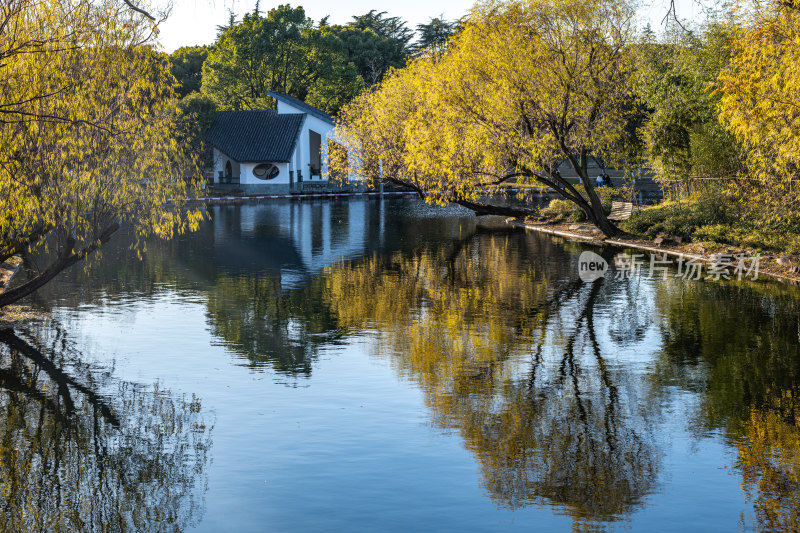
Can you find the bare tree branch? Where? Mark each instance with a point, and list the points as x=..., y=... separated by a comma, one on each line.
x=139, y=10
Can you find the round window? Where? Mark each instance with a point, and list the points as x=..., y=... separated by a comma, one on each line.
x=266, y=171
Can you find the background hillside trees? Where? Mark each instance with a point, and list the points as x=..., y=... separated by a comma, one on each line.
x=434, y=34
x=187, y=67
x=375, y=43
x=281, y=52
x=723, y=123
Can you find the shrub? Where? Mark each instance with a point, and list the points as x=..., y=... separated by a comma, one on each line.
x=715, y=212
x=565, y=210
x=717, y=219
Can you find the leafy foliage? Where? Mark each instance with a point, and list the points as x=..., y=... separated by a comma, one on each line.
x=281, y=52
x=187, y=67
x=89, y=133
x=760, y=104
x=375, y=43
x=684, y=218
x=454, y=124
x=683, y=136
x=202, y=111
x=434, y=34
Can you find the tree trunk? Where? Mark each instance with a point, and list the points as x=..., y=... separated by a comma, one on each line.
x=481, y=209
x=594, y=211
x=66, y=258
x=596, y=214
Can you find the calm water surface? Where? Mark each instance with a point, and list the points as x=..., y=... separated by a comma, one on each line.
x=373, y=365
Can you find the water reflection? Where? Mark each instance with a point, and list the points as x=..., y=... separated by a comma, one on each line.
x=508, y=356
x=565, y=393
x=269, y=325
x=257, y=268
x=80, y=451
x=739, y=347
x=266, y=300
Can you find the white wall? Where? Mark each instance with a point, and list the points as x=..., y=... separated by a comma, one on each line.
x=299, y=221
x=220, y=160
x=303, y=154
x=305, y=216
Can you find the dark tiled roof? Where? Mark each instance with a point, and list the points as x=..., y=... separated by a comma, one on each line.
x=299, y=104
x=255, y=136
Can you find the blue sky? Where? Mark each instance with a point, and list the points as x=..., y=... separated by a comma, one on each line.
x=195, y=21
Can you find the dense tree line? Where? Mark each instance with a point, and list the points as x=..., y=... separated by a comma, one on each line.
x=527, y=86
x=283, y=50
x=99, y=130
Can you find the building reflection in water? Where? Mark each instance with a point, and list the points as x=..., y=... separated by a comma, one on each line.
x=298, y=239
x=267, y=298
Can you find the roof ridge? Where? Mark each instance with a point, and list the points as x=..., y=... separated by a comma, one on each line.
x=296, y=102
x=249, y=111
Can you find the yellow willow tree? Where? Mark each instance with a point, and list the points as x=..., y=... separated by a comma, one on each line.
x=760, y=104
x=90, y=136
x=526, y=86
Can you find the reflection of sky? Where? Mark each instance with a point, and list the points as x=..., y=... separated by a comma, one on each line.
x=351, y=447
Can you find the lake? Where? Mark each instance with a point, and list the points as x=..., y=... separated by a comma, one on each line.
x=370, y=364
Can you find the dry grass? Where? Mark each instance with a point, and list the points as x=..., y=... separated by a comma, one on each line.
x=14, y=314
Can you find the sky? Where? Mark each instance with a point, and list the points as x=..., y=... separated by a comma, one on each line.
x=195, y=22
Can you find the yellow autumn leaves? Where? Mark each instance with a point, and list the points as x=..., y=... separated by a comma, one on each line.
x=529, y=84
x=89, y=130
x=523, y=86
x=760, y=102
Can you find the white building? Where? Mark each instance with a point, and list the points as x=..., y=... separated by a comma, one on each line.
x=271, y=151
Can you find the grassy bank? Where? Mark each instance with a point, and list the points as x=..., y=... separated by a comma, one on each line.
x=716, y=222
x=712, y=218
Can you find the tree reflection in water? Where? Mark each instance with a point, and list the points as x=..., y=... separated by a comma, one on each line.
x=80, y=451
x=509, y=356
x=268, y=325
x=738, y=347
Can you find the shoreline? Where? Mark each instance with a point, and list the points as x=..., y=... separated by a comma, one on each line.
x=8, y=270
x=697, y=252
x=223, y=199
